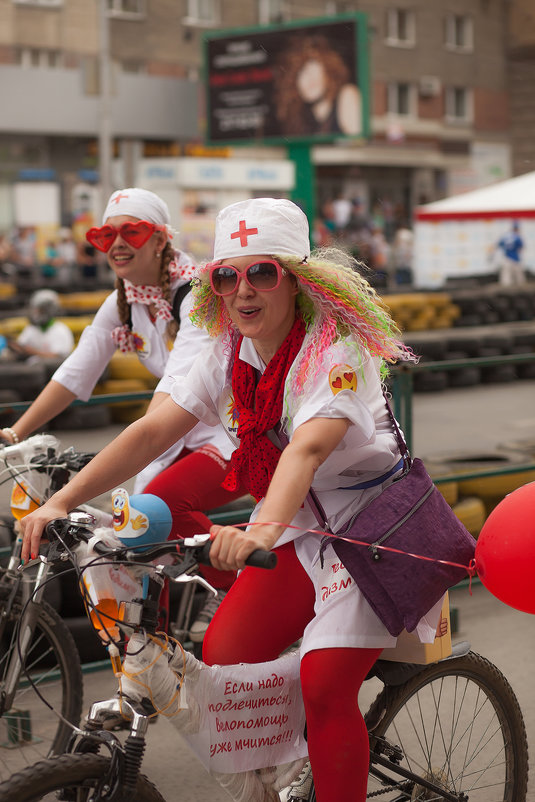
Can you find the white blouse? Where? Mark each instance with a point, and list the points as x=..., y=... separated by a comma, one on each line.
x=83, y=368
x=340, y=389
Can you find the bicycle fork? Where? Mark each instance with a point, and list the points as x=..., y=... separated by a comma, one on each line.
x=23, y=634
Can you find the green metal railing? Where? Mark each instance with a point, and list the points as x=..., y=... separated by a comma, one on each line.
x=403, y=391
x=402, y=383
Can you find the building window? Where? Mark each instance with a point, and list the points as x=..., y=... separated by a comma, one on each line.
x=49, y=3
x=40, y=57
x=270, y=11
x=458, y=104
x=130, y=9
x=334, y=7
x=459, y=33
x=400, y=27
x=202, y=12
x=400, y=99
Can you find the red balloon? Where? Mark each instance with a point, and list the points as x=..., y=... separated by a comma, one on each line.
x=505, y=550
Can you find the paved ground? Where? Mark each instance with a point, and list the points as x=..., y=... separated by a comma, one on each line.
x=479, y=419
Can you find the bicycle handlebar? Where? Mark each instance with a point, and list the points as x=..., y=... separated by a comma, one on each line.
x=259, y=558
x=194, y=550
x=41, y=450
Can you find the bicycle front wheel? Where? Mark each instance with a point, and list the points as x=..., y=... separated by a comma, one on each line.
x=79, y=773
x=29, y=730
x=459, y=725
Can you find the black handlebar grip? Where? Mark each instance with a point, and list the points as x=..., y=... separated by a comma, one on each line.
x=259, y=558
x=262, y=559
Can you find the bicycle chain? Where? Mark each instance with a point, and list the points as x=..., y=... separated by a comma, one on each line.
x=388, y=789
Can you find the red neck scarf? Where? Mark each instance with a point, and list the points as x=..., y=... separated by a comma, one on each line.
x=259, y=408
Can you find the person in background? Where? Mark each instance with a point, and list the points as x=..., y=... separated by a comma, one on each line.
x=88, y=261
x=402, y=255
x=510, y=248
x=23, y=248
x=49, y=267
x=138, y=318
x=301, y=344
x=67, y=257
x=44, y=337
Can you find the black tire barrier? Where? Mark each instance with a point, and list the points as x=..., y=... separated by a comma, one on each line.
x=90, y=417
x=28, y=380
x=8, y=418
x=464, y=377
x=430, y=350
x=498, y=374
x=526, y=371
x=468, y=321
x=490, y=489
x=471, y=346
x=526, y=339
x=501, y=342
x=452, y=355
x=430, y=381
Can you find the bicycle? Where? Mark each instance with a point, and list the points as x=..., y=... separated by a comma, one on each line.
x=37, y=649
x=448, y=731
x=47, y=655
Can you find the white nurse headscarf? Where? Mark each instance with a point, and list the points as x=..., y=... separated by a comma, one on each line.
x=140, y=203
x=261, y=226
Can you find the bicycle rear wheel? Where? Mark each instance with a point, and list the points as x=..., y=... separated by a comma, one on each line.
x=458, y=724
x=30, y=731
x=80, y=773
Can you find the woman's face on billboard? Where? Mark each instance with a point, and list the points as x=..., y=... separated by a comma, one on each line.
x=311, y=81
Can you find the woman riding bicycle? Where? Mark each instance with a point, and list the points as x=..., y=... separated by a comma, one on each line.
x=151, y=276
x=299, y=344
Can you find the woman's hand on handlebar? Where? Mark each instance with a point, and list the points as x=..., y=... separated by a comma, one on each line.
x=33, y=525
x=231, y=546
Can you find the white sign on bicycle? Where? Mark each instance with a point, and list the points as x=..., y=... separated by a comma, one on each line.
x=252, y=715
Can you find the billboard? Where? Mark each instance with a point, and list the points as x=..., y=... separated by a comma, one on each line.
x=305, y=81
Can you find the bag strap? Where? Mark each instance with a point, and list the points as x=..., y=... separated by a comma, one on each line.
x=312, y=499
x=180, y=294
x=402, y=445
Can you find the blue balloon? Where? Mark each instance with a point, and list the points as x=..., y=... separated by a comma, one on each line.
x=146, y=519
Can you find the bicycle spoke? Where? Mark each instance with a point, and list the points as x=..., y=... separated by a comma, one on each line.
x=459, y=727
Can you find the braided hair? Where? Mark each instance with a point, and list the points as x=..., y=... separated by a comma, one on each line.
x=168, y=254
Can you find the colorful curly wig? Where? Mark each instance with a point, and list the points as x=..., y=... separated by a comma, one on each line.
x=336, y=302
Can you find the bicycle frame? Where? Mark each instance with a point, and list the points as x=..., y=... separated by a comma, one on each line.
x=126, y=758
x=392, y=763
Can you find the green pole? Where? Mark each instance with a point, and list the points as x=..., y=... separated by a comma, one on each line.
x=304, y=192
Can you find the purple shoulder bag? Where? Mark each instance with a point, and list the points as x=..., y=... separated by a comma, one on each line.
x=410, y=517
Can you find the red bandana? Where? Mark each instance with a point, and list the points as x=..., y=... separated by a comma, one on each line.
x=259, y=407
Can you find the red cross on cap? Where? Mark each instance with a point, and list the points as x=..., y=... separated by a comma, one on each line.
x=119, y=197
x=243, y=232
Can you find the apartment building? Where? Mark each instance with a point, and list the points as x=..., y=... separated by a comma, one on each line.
x=521, y=59
x=438, y=74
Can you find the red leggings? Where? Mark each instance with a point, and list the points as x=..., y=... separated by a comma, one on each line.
x=189, y=486
x=264, y=613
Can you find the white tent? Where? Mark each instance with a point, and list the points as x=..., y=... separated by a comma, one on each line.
x=457, y=237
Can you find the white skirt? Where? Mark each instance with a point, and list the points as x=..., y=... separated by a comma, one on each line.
x=344, y=619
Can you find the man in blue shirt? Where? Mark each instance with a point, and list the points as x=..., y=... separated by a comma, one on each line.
x=511, y=246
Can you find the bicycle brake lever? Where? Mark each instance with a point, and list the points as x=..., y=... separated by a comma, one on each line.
x=189, y=578
x=31, y=563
